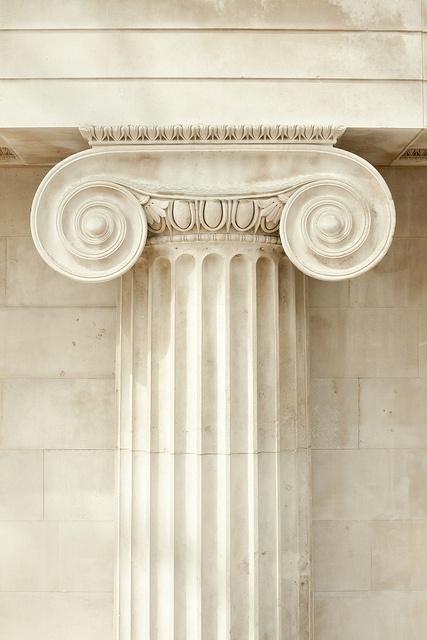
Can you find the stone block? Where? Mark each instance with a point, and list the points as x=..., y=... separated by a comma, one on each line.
x=58, y=414
x=399, y=555
x=50, y=616
x=369, y=485
x=28, y=556
x=408, y=187
x=393, y=413
x=31, y=282
x=341, y=555
x=399, y=280
x=422, y=339
x=298, y=14
x=86, y=556
x=211, y=54
x=358, y=103
x=79, y=485
x=348, y=343
x=328, y=294
x=21, y=480
x=17, y=188
x=48, y=343
x=2, y=271
x=370, y=615
x=334, y=413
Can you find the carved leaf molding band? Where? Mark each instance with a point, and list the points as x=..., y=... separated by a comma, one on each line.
x=327, y=227
x=242, y=213
x=205, y=133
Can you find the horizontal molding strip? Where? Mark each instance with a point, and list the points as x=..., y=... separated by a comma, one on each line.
x=382, y=14
x=214, y=55
x=204, y=30
x=225, y=79
x=53, y=103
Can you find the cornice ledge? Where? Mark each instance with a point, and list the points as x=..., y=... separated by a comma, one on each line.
x=331, y=210
x=211, y=134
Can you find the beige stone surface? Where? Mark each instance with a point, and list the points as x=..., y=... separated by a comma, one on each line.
x=350, y=342
x=399, y=556
x=79, y=485
x=21, y=482
x=420, y=141
x=58, y=414
x=43, y=146
x=2, y=271
x=408, y=187
x=425, y=108
x=399, y=280
x=28, y=556
x=334, y=413
x=329, y=294
x=211, y=54
x=341, y=555
x=371, y=615
x=378, y=146
x=86, y=556
x=369, y=485
x=47, y=342
x=30, y=282
x=422, y=338
x=50, y=616
x=424, y=36
x=358, y=103
x=335, y=14
x=17, y=188
x=393, y=413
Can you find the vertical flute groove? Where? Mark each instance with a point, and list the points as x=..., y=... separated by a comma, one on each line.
x=214, y=428
x=267, y=382
x=140, y=537
x=278, y=442
x=241, y=548
x=198, y=595
x=123, y=578
x=185, y=447
x=170, y=585
x=162, y=567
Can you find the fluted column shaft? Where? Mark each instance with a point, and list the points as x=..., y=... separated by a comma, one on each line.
x=213, y=466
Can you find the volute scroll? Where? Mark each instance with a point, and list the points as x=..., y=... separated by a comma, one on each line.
x=331, y=231
x=99, y=232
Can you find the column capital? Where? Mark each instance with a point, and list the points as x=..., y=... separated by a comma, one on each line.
x=94, y=212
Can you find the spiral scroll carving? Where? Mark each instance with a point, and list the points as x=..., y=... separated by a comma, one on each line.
x=331, y=232
x=101, y=226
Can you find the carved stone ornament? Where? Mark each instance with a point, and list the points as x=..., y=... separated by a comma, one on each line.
x=95, y=211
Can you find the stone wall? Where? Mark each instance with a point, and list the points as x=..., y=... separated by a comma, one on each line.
x=368, y=414
x=57, y=407
x=368, y=408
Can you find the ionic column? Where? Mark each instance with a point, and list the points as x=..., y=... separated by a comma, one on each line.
x=205, y=227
